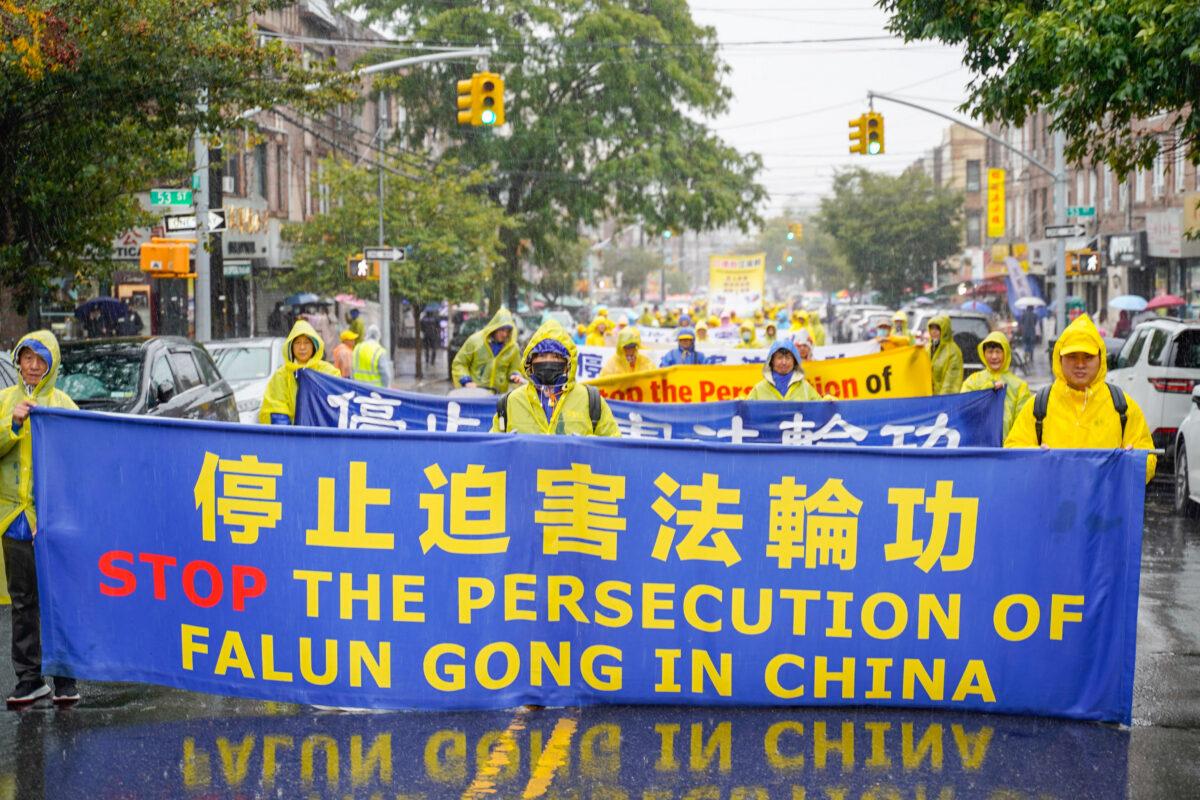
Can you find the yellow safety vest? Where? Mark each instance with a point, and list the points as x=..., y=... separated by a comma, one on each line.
x=366, y=363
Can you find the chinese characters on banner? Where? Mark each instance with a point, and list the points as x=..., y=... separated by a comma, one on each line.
x=996, y=225
x=426, y=570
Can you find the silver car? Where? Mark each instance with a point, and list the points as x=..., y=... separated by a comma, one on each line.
x=247, y=364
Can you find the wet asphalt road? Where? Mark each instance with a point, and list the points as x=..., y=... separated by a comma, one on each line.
x=134, y=741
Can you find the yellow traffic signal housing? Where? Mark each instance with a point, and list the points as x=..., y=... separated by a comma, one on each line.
x=858, y=135
x=874, y=133
x=1083, y=262
x=481, y=100
x=796, y=231
x=166, y=258
x=359, y=269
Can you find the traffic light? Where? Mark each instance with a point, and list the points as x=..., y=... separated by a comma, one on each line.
x=481, y=100
x=795, y=231
x=874, y=134
x=166, y=258
x=359, y=269
x=1083, y=262
x=866, y=134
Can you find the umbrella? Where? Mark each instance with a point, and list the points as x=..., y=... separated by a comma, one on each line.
x=110, y=307
x=1165, y=301
x=301, y=299
x=976, y=305
x=1128, y=302
x=350, y=300
x=1030, y=302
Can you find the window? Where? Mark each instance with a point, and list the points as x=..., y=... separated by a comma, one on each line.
x=1079, y=189
x=1092, y=187
x=1106, y=189
x=1123, y=195
x=1139, y=186
x=283, y=176
x=1158, y=346
x=1159, y=172
x=260, y=170
x=233, y=169
x=973, y=177
x=1187, y=349
x=1132, y=350
x=974, y=228
x=207, y=367
x=1177, y=165
x=185, y=370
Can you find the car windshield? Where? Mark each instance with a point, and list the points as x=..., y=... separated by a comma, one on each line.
x=100, y=375
x=973, y=325
x=246, y=363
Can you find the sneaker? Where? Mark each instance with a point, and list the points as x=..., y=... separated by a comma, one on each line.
x=27, y=692
x=65, y=691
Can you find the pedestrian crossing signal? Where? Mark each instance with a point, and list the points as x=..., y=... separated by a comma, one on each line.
x=359, y=269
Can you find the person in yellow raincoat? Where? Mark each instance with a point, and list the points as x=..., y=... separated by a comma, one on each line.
x=749, y=338
x=817, y=328
x=303, y=349
x=552, y=402
x=647, y=317
x=489, y=357
x=996, y=355
x=629, y=357
x=900, y=327
x=600, y=333
x=1081, y=408
x=945, y=357
x=37, y=359
x=783, y=376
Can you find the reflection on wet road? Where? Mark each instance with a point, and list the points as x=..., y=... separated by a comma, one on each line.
x=130, y=741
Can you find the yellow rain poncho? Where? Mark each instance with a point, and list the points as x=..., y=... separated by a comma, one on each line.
x=754, y=343
x=1016, y=392
x=571, y=416
x=280, y=396
x=817, y=329
x=16, y=448
x=476, y=362
x=798, y=387
x=618, y=364
x=596, y=338
x=947, y=360
x=1083, y=419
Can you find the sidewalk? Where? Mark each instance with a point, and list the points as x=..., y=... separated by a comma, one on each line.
x=435, y=379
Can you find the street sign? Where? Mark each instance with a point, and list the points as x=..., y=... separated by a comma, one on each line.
x=1064, y=231
x=178, y=223
x=383, y=253
x=170, y=197
x=236, y=269
x=1081, y=211
x=216, y=220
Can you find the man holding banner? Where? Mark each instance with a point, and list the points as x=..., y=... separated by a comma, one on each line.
x=489, y=358
x=685, y=351
x=553, y=403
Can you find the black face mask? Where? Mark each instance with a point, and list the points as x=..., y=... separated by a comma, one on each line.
x=549, y=373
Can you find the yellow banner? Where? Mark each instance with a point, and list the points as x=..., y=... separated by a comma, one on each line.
x=899, y=372
x=737, y=274
x=995, y=204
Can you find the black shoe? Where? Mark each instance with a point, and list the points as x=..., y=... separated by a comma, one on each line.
x=28, y=691
x=65, y=691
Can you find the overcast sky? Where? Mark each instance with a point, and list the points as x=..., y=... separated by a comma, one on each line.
x=791, y=102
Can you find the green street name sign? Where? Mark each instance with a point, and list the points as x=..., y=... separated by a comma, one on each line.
x=170, y=197
x=1081, y=211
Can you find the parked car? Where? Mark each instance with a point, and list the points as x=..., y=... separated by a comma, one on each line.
x=248, y=364
x=164, y=376
x=8, y=372
x=1159, y=367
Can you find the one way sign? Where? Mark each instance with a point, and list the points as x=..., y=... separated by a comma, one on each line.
x=216, y=220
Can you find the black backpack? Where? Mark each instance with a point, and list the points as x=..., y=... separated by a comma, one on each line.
x=594, y=407
x=1042, y=401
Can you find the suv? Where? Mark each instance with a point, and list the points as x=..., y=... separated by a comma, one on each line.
x=1158, y=367
x=164, y=376
x=969, y=329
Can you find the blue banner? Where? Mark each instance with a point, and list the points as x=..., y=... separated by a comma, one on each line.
x=474, y=571
x=974, y=419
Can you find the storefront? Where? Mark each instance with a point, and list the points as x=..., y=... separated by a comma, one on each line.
x=1174, y=258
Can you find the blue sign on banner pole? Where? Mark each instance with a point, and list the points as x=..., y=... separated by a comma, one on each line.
x=973, y=419
x=418, y=570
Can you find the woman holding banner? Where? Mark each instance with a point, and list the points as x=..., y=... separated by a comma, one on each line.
x=303, y=349
x=996, y=355
x=783, y=376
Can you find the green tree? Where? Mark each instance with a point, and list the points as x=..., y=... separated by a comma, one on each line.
x=824, y=261
x=634, y=264
x=452, y=229
x=98, y=98
x=560, y=262
x=891, y=229
x=604, y=105
x=1094, y=66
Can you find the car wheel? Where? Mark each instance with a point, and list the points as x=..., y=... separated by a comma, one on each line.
x=1184, y=504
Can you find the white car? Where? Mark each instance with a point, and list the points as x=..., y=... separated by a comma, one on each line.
x=247, y=364
x=1158, y=367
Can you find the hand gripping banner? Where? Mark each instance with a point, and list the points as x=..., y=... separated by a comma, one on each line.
x=416, y=570
x=973, y=419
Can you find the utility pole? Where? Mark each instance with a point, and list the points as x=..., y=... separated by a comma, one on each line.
x=203, y=301
x=1058, y=173
x=385, y=280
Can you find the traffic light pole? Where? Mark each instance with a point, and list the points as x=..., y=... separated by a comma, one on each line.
x=203, y=299
x=1058, y=173
x=385, y=280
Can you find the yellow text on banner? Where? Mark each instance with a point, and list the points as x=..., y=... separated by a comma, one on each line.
x=897, y=372
x=996, y=224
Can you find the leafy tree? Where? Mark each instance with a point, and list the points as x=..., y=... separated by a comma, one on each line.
x=452, y=230
x=1095, y=67
x=815, y=256
x=826, y=265
x=604, y=105
x=634, y=264
x=559, y=262
x=891, y=228
x=98, y=98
